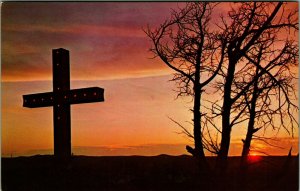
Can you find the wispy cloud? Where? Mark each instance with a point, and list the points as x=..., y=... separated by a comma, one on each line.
x=79, y=29
x=106, y=38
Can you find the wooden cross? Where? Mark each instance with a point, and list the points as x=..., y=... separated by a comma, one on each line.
x=61, y=98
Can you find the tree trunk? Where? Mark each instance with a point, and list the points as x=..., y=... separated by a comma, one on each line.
x=197, y=128
x=198, y=151
x=226, y=131
x=226, y=109
x=247, y=141
x=251, y=130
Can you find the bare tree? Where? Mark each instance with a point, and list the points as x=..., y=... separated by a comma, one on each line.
x=250, y=27
x=186, y=44
x=271, y=103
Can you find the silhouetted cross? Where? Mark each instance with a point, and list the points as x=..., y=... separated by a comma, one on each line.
x=60, y=99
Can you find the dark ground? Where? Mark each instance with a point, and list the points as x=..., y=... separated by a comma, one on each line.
x=145, y=173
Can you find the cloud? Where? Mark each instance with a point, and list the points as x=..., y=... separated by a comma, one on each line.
x=79, y=29
x=105, y=38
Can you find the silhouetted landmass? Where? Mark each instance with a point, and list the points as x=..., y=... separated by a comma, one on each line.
x=161, y=172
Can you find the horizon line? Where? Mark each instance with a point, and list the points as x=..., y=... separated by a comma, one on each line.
x=157, y=155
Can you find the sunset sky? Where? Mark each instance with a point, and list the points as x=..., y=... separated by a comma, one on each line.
x=108, y=49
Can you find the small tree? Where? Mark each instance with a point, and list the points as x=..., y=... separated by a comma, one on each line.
x=187, y=46
x=249, y=25
x=269, y=100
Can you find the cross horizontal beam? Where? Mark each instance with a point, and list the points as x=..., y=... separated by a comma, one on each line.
x=75, y=96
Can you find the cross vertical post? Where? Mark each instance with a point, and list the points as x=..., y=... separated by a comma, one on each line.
x=61, y=110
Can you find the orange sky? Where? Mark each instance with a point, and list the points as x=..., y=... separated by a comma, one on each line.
x=107, y=49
